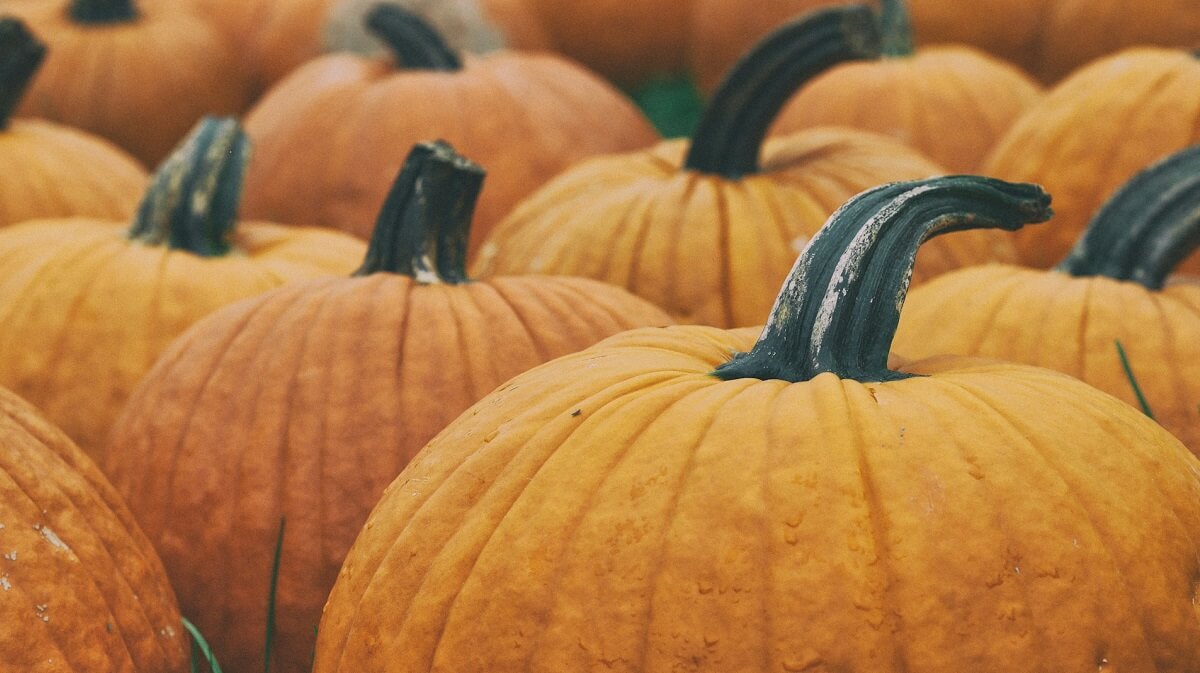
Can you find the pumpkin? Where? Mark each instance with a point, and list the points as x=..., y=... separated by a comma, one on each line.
x=139, y=75
x=321, y=135
x=1112, y=287
x=53, y=170
x=339, y=382
x=81, y=589
x=650, y=505
x=88, y=304
x=1095, y=131
x=655, y=221
x=950, y=102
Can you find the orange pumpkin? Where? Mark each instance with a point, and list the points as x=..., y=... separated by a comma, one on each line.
x=1111, y=288
x=1093, y=132
x=338, y=382
x=52, y=170
x=950, y=102
x=88, y=304
x=80, y=586
x=655, y=221
x=139, y=75
x=322, y=135
x=649, y=505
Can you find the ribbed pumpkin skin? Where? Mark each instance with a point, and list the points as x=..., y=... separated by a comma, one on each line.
x=646, y=517
x=86, y=312
x=707, y=249
x=1093, y=132
x=80, y=586
x=951, y=103
x=305, y=403
x=1070, y=324
x=142, y=85
x=323, y=135
x=55, y=171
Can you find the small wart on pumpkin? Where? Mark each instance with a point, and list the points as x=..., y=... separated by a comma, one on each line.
x=576, y=412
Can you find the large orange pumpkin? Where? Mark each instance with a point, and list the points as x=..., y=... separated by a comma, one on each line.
x=139, y=74
x=1112, y=287
x=88, y=304
x=81, y=589
x=1093, y=132
x=650, y=506
x=53, y=170
x=950, y=102
x=325, y=136
x=656, y=221
x=336, y=384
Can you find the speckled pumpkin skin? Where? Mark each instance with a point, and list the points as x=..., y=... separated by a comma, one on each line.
x=646, y=517
x=1069, y=324
x=86, y=311
x=81, y=589
x=305, y=403
x=1092, y=133
x=708, y=249
x=951, y=103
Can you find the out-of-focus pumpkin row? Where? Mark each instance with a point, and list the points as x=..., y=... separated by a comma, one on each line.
x=216, y=370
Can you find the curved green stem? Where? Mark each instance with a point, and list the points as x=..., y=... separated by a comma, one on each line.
x=731, y=132
x=896, y=26
x=416, y=44
x=425, y=221
x=1147, y=228
x=103, y=11
x=840, y=306
x=21, y=54
x=194, y=195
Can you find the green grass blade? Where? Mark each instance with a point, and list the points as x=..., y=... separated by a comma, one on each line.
x=202, y=646
x=271, y=598
x=1137, y=390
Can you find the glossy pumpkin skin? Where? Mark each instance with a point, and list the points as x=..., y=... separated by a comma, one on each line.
x=1150, y=100
x=82, y=587
x=651, y=517
x=142, y=83
x=311, y=399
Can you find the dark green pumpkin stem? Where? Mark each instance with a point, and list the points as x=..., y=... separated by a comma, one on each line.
x=103, y=11
x=1147, y=228
x=840, y=306
x=425, y=221
x=896, y=27
x=21, y=54
x=194, y=195
x=416, y=44
x=730, y=135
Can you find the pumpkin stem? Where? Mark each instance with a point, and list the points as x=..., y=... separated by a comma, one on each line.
x=416, y=44
x=840, y=306
x=730, y=135
x=103, y=11
x=425, y=221
x=896, y=26
x=194, y=195
x=1147, y=228
x=21, y=54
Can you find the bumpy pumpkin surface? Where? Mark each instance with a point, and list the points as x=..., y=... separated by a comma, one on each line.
x=330, y=137
x=1093, y=132
x=1112, y=288
x=306, y=402
x=706, y=230
x=801, y=508
x=81, y=589
x=87, y=305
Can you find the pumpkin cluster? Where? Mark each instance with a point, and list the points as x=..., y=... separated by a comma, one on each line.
x=514, y=336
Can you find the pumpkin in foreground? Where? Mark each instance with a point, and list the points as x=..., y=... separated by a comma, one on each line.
x=88, y=304
x=81, y=589
x=312, y=398
x=709, y=235
x=650, y=505
x=1112, y=287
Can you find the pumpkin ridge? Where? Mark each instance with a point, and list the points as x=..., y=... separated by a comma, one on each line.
x=1171, y=341
x=1006, y=296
